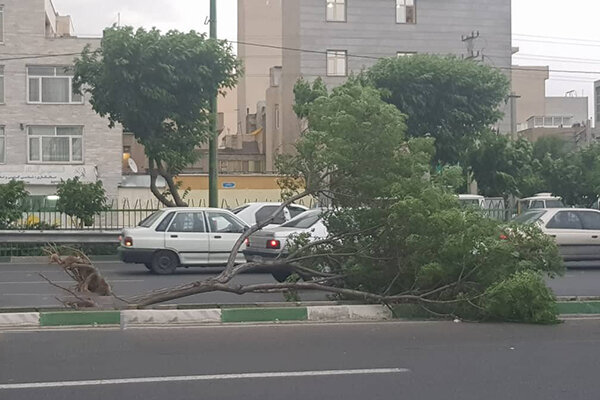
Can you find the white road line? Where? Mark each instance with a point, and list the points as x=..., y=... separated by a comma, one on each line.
x=259, y=375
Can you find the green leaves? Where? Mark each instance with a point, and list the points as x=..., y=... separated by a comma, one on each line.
x=12, y=203
x=81, y=200
x=450, y=99
x=159, y=87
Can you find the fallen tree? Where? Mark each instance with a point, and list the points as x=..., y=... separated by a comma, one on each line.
x=395, y=234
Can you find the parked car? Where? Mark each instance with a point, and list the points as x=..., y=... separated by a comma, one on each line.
x=471, y=200
x=176, y=237
x=269, y=244
x=576, y=230
x=252, y=213
x=540, y=200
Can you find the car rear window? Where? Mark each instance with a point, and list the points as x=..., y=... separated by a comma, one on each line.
x=240, y=209
x=554, y=204
x=304, y=221
x=151, y=219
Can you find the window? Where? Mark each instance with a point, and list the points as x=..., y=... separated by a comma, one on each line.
x=2, y=145
x=165, y=223
x=190, y=222
x=405, y=53
x=55, y=144
x=305, y=220
x=565, y=220
x=51, y=85
x=1, y=24
x=529, y=217
x=277, y=116
x=1, y=83
x=265, y=212
x=295, y=211
x=406, y=12
x=590, y=220
x=151, y=219
x=336, y=10
x=223, y=223
x=336, y=63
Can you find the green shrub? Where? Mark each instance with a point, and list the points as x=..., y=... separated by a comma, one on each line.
x=12, y=203
x=81, y=200
x=524, y=297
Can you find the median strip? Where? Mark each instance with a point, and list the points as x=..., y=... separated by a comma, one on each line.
x=71, y=318
x=170, y=317
x=264, y=314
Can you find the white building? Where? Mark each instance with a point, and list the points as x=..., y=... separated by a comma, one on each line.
x=49, y=133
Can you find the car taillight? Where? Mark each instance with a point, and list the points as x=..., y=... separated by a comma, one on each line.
x=128, y=242
x=273, y=244
x=247, y=241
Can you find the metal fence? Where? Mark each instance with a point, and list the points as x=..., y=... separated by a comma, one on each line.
x=118, y=216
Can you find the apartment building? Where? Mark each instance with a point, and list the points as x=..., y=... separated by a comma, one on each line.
x=48, y=132
x=333, y=39
x=538, y=115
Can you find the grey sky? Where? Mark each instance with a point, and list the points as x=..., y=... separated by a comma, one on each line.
x=547, y=23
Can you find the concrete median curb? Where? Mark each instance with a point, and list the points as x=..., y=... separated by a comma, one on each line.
x=174, y=317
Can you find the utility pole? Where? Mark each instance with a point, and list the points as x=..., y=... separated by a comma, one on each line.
x=213, y=185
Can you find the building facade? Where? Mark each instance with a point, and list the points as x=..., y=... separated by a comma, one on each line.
x=48, y=132
x=334, y=39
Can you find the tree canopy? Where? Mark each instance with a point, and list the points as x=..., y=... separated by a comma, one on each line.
x=159, y=87
x=449, y=99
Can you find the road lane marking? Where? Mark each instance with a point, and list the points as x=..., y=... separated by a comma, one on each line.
x=189, y=378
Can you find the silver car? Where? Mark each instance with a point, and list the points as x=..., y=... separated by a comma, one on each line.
x=576, y=231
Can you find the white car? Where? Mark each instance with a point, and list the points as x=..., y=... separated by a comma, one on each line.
x=175, y=237
x=253, y=213
x=576, y=231
x=269, y=244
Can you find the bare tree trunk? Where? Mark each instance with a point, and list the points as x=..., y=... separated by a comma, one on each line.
x=172, y=186
x=154, y=189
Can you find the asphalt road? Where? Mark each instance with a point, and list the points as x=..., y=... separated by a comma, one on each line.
x=399, y=360
x=21, y=285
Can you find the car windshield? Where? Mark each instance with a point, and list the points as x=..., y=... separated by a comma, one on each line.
x=529, y=217
x=305, y=220
x=469, y=202
x=151, y=219
x=554, y=204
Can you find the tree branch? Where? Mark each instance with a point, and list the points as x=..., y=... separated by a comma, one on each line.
x=173, y=189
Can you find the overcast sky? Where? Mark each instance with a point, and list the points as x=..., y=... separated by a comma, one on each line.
x=563, y=35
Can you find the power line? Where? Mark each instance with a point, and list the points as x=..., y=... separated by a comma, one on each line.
x=557, y=38
x=321, y=52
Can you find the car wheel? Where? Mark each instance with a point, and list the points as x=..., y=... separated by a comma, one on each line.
x=280, y=276
x=164, y=262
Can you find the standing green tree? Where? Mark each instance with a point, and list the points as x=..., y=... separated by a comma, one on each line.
x=12, y=202
x=159, y=87
x=81, y=200
x=452, y=100
x=503, y=167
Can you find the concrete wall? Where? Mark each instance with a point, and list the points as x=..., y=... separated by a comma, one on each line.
x=25, y=33
x=371, y=30
x=575, y=106
x=246, y=188
x=259, y=22
x=529, y=83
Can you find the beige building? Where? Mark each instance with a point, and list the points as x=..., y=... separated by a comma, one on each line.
x=538, y=115
x=47, y=132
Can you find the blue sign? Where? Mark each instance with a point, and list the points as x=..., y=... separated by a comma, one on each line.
x=228, y=185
